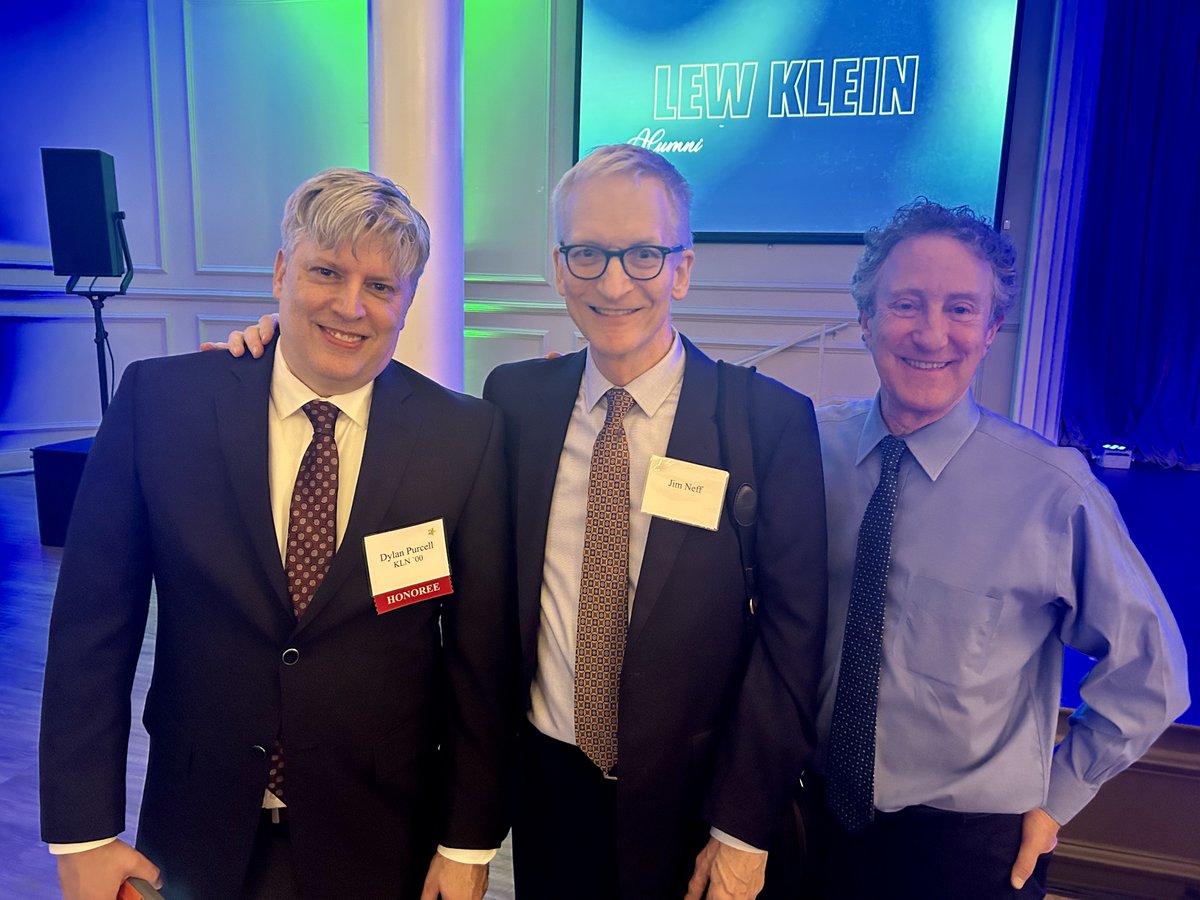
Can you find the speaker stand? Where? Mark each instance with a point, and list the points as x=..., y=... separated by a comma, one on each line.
x=97, y=299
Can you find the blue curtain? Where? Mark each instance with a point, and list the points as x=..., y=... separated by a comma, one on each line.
x=1133, y=364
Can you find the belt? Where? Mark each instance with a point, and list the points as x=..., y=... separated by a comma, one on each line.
x=568, y=752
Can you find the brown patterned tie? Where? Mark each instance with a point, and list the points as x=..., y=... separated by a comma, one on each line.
x=312, y=530
x=604, y=589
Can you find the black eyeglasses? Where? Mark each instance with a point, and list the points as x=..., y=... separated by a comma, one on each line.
x=642, y=262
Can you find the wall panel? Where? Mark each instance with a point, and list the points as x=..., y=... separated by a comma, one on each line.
x=53, y=391
x=506, y=156
x=76, y=75
x=487, y=348
x=275, y=92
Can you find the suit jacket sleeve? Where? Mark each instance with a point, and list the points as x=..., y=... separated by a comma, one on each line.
x=773, y=728
x=96, y=630
x=479, y=635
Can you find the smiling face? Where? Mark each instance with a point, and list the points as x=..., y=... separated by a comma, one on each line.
x=931, y=328
x=341, y=312
x=627, y=323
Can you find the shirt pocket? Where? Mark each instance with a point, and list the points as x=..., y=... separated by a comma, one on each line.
x=944, y=632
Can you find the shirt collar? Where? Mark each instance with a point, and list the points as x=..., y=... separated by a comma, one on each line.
x=289, y=393
x=649, y=389
x=932, y=446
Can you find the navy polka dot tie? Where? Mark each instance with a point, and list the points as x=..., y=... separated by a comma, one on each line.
x=604, y=589
x=312, y=531
x=850, y=760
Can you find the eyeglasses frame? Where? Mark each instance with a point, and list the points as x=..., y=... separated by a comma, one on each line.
x=609, y=255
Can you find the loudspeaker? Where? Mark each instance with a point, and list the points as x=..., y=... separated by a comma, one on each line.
x=81, y=197
x=57, y=471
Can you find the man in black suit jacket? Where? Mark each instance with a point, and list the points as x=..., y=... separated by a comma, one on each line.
x=716, y=705
x=697, y=744
x=392, y=726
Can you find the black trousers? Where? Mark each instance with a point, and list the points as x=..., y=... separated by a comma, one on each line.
x=565, y=827
x=272, y=874
x=923, y=854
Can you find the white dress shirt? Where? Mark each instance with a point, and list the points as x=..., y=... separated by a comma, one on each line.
x=289, y=432
x=647, y=431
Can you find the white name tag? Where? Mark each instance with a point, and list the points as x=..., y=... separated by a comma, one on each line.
x=407, y=565
x=685, y=492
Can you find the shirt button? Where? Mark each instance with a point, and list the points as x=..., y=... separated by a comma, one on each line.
x=291, y=656
x=259, y=751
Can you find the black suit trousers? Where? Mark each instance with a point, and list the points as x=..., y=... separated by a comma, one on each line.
x=921, y=853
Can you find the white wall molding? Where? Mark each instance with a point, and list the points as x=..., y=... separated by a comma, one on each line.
x=86, y=315
x=173, y=295
x=682, y=312
x=47, y=427
x=783, y=287
x=499, y=278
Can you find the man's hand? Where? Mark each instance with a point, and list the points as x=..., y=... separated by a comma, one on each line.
x=97, y=874
x=1039, y=834
x=452, y=880
x=253, y=338
x=729, y=873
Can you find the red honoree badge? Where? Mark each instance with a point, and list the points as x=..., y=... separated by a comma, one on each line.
x=390, y=600
x=408, y=565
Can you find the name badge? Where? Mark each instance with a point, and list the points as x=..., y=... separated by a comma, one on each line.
x=685, y=492
x=407, y=565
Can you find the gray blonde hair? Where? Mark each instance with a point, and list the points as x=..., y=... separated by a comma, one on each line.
x=638, y=162
x=923, y=216
x=339, y=207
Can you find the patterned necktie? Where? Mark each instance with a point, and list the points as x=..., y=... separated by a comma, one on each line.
x=312, y=531
x=850, y=762
x=604, y=589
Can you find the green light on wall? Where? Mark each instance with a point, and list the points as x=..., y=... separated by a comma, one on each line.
x=503, y=92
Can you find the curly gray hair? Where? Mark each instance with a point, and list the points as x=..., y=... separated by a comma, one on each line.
x=924, y=216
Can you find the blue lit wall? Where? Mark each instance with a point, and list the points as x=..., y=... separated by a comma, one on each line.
x=213, y=112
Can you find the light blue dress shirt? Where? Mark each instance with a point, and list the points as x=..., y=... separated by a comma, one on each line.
x=1005, y=548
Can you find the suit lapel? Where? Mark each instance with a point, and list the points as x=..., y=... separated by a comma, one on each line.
x=391, y=440
x=694, y=438
x=541, y=432
x=242, y=410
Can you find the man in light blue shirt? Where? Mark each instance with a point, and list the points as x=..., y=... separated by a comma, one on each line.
x=1003, y=548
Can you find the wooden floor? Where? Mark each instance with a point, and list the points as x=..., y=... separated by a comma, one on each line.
x=28, y=572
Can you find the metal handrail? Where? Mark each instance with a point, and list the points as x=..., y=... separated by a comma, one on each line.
x=818, y=335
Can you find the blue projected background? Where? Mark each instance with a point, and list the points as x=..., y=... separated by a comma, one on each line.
x=804, y=116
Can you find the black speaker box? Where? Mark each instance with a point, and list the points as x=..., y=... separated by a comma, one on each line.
x=81, y=197
x=57, y=471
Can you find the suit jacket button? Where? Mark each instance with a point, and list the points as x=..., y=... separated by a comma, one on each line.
x=259, y=751
x=291, y=656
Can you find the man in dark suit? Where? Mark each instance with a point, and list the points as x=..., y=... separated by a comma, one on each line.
x=610, y=810
x=316, y=728
x=697, y=714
